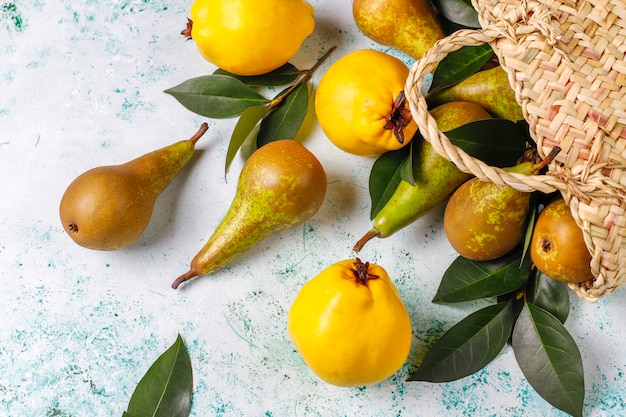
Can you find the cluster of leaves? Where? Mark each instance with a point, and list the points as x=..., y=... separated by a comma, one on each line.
x=529, y=312
x=526, y=308
x=165, y=389
x=222, y=95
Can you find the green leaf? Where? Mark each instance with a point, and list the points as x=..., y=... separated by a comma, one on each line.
x=246, y=127
x=466, y=280
x=460, y=12
x=549, y=358
x=280, y=76
x=524, y=126
x=125, y=414
x=468, y=346
x=407, y=173
x=285, y=120
x=551, y=295
x=385, y=175
x=530, y=223
x=459, y=65
x=496, y=142
x=216, y=96
x=165, y=390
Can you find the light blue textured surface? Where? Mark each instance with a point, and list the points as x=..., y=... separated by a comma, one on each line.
x=81, y=85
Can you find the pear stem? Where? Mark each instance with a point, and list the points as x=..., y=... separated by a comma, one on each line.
x=304, y=76
x=366, y=238
x=201, y=131
x=187, y=31
x=184, y=277
x=553, y=153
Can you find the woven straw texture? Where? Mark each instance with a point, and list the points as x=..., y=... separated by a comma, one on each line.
x=565, y=60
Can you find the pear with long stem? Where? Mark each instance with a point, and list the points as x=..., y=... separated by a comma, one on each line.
x=436, y=178
x=280, y=186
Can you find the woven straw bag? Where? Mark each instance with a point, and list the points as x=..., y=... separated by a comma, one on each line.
x=565, y=60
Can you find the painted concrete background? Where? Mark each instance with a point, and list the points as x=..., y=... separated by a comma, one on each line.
x=81, y=85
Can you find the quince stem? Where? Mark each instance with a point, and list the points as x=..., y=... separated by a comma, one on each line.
x=304, y=77
x=361, y=272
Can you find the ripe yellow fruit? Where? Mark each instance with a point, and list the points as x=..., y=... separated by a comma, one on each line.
x=350, y=325
x=360, y=103
x=250, y=37
x=557, y=247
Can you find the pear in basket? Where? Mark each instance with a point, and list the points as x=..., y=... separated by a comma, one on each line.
x=557, y=247
x=489, y=88
x=483, y=220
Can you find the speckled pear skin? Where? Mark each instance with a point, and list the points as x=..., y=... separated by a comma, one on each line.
x=281, y=185
x=436, y=178
x=484, y=221
x=410, y=26
x=108, y=207
x=490, y=89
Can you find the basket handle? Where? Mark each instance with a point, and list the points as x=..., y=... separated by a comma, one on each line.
x=600, y=188
x=440, y=142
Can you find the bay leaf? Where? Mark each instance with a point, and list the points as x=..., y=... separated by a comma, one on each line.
x=531, y=217
x=386, y=173
x=286, y=74
x=247, y=126
x=466, y=280
x=496, y=142
x=551, y=295
x=460, y=12
x=549, y=358
x=459, y=65
x=165, y=390
x=284, y=121
x=216, y=96
x=468, y=346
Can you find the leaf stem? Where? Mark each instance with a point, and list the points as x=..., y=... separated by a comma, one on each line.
x=304, y=77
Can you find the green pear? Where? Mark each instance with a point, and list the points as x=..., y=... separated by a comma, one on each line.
x=281, y=185
x=410, y=26
x=436, y=178
x=489, y=88
x=109, y=207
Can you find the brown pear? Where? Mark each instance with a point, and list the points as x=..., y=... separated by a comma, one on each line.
x=410, y=26
x=280, y=186
x=557, y=247
x=489, y=88
x=483, y=220
x=109, y=207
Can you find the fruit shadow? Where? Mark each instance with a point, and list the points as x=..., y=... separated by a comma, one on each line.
x=342, y=198
x=163, y=222
x=328, y=32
